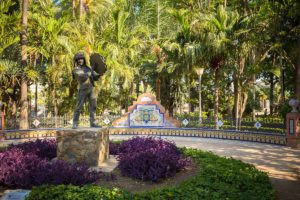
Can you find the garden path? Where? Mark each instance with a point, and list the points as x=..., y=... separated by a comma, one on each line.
x=281, y=162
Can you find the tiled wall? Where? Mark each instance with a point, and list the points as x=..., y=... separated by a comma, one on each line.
x=232, y=135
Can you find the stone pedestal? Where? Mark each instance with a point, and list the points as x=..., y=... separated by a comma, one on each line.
x=293, y=130
x=90, y=146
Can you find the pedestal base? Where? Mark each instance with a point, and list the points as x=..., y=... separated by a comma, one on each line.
x=293, y=142
x=89, y=145
x=293, y=130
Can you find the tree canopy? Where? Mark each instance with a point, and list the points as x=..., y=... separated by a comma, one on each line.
x=249, y=50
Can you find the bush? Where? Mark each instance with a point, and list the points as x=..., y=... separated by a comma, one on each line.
x=218, y=178
x=42, y=148
x=20, y=169
x=70, y=192
x=150, y=158
x=114, y=147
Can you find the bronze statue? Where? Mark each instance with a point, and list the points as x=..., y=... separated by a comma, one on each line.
x=85, y=77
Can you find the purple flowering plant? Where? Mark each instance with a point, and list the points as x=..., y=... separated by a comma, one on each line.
x=28, y=164
x=42, y=148
x=150, y=159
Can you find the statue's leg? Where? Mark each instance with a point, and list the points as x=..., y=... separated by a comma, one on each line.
x=93, y=105
x=79, y=105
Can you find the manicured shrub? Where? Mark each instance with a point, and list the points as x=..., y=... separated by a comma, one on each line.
x=19, y=169
x=42, y=148
x=150, y=158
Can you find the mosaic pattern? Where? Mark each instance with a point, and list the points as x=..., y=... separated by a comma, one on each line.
x=243, y=136
x=146, y=112
x=146, y=115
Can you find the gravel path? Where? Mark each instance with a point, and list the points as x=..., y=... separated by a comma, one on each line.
x=282, y=163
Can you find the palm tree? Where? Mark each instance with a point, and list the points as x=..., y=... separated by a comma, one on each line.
x=56, y=48
x=122, y=45
x=24, y=82
x=218, y=32
x=298, y=73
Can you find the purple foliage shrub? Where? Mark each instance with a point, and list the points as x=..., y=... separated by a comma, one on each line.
x=20, y=169
x=114, y=148
x=42, y=148
x=150, y=158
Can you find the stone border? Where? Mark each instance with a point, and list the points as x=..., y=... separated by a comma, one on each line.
x=269, y=138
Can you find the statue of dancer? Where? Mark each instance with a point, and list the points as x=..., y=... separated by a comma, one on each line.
x=85, y=77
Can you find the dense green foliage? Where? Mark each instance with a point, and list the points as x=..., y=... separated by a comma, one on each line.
x=217, y=178
x=69, y=192
x=248, y=50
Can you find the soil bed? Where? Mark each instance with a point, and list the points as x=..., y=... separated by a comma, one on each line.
x=136, y=185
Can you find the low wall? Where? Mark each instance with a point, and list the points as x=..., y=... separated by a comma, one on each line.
x=279, y=139
x=219, y=134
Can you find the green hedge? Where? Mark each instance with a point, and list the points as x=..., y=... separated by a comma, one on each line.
x=218, y=178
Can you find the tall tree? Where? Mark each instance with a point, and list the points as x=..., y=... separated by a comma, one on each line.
x=24, y=82
x=219, y=28
x=298, y=73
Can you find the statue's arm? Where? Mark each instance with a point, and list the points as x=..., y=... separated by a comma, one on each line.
x=95, y=75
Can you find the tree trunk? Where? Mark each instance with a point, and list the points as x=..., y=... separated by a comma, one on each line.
x=244, y=100
x=245, y=7
x=271, y=93
x=253, y=61
x=237, y=91
x=254, y=98
x=146, y=87
x=225, y=3
x=55, y=108
x=236, y=99
x=158, y=84
x=216, y=97
x=36, y=88
x=297, y=70
x=130, y=98
x=14, y=108
x=281, y=81
x=137, y=89
x=24, y=84
x=121, y=89
x=188, y=88
x=81, y=9
x=282, y=77
x=36, y=99
x=73, y=8
x=228, y=95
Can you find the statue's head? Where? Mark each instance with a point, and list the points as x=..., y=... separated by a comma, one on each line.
x=79, y=59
